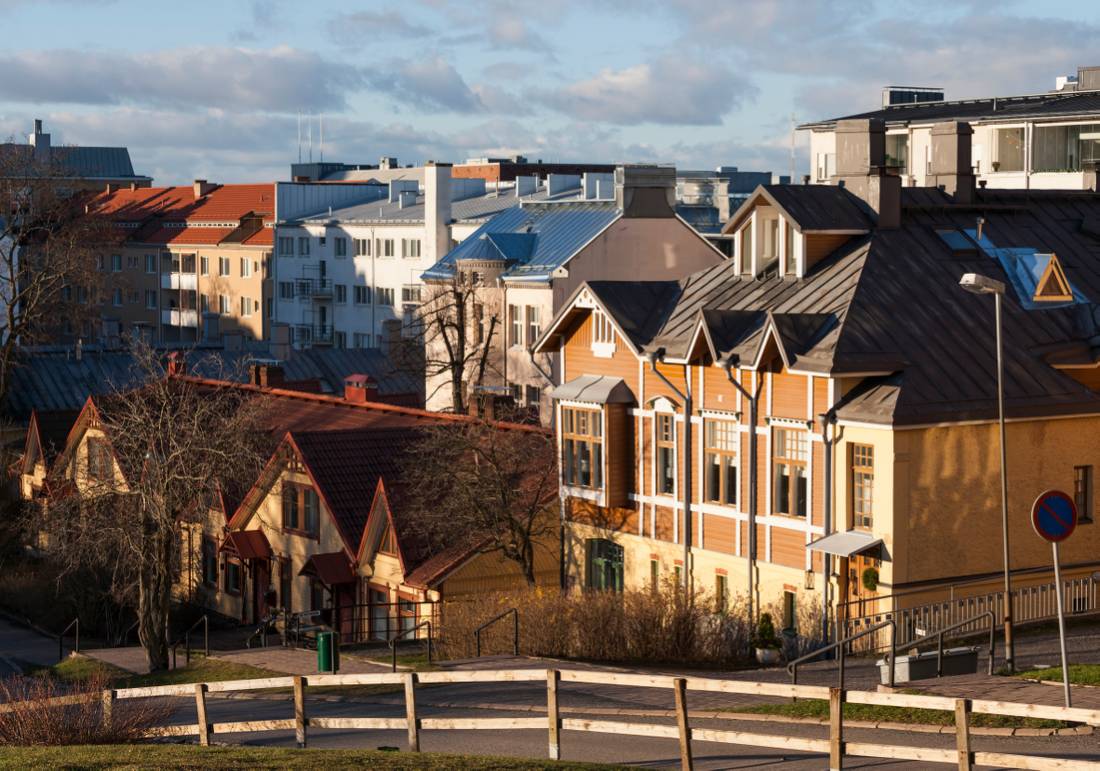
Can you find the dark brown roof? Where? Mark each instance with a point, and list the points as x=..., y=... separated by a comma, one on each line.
x=331, y=568
x=248, y=544
x=53, y=431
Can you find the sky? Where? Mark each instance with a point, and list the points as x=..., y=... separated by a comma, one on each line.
x=214, y=90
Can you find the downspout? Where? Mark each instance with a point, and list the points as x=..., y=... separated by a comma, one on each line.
x=653, y=358
x=827, y=419
x=726, y=364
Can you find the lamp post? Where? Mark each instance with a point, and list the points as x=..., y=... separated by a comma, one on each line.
x=979, y=284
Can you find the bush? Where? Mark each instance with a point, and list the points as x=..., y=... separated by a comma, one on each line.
x=37, y=723
x=765, y=632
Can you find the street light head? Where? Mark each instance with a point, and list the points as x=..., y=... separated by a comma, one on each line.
x=979, y=284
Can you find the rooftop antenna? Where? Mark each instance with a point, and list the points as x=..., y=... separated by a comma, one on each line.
x=321, y=120
x=310, y=123
x=792, y=147
x=299, y=136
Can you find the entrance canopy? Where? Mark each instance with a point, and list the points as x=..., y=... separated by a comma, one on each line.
x=845, y=544
x=248, y=544
x=596, y=389
x=330, y=569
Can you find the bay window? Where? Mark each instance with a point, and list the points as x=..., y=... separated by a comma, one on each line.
x=721, y=439
x=582, y=447
x=790, y=453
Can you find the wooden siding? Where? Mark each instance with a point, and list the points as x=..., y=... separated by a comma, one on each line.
x=819, y=483
x=580, y=360
x=789, y=548
x=719, y=534
x=664, y=523
x=790, y=397
x=718, y=392
x=820, y=245
x=618, y=446
x=821, y=398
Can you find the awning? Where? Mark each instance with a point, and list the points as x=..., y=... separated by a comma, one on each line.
x=597, y=389
x=845, y=544
x=330, y=569
x=248, y=544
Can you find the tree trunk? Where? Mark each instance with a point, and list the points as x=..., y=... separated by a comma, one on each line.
x=528, y=564
x=154, y=597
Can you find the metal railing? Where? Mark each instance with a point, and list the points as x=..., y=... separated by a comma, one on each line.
x=312, y=287
x=75, y=623
x=840, y=646
x=938, y=637
x=493, y=620
x=185, y=638
x=403, y=633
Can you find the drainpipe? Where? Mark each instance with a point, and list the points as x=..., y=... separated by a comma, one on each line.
x=654, y=357
x=726, y=363
x=827, y=419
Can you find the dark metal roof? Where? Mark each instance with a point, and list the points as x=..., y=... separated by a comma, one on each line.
x=1052, y=105
x=85, y=162
x=811, y=207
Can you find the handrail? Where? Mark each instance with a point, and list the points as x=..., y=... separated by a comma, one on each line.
x=939, y=639
x=792, y=668
x=493, y=620
x=402, y=633
x=185, y=638
x=61, y=639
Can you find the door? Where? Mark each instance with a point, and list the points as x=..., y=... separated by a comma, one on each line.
x=344, y=611
x=379, y=614
x=261, y=589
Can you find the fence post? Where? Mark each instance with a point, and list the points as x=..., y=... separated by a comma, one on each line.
x=836, y=729
x=553, y=677
x=300, y=710
x=200, y=711
x=107, y=708
x=410, y=712
x=680, y=684
x=962, y=734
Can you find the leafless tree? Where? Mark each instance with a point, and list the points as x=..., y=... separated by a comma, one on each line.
x=48, y=249
x=173, y=442
x=489, y=485
x=459, y=322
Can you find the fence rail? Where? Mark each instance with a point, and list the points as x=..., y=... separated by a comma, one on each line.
x=835, y=745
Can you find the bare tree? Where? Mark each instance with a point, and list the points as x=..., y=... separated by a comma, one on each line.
x=490, y=485
x=48, y=246
x=459, y=321
x=167, y=448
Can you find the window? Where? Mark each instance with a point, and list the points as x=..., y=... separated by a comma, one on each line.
x=383, y=295
x=388, y=544
x=863, y=478
x=246, y=306
x=582, y=447
x=1064, y=148
x=316, y=595
x=360, y=340
x=223, y=266
x=1009, y=150
x=204, y=264
x=303, y=246
x=721, y=593
x=654, y=574
x=300, y=508
x=286, y=246
x=534, y=326
x=897, y=151
x=204, y=303
x=99, y=262
x=532, y=396
x=116, y=263
x=286, y=290
x=116, y=296
x=790, y=612
x=362, y=295
x=362, y=247
x=790, y=259
x=721, y=439
x=746, y=248
x=131, y=261
x=515, y=325
x=479, y=323
x=270, y=308
x=386, y=249
x=100, y=464
x=340, y=292
x=286, y=582
x=340, y=247
x=150, y=263
x=789, y=472
x=604, y=565
x=1082, y=492
x=150, y=299
x=321, y=240
x=826, y=166
x=410, y=294
x=223, y=304
x=771, y=240
x=602, y=330
x=666, y=455
x=232, y=575
x=340, y=340
x=132, y=296
x=410, y=247
x=209, y=561
x=246, y=267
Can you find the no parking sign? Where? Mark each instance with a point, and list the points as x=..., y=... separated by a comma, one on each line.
x=1054, y=517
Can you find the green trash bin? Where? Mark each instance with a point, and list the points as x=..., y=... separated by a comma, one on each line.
x=328, y=652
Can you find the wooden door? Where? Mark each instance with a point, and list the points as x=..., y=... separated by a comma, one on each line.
x=261, y=583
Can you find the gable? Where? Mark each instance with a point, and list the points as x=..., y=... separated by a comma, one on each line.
x=1053, y=286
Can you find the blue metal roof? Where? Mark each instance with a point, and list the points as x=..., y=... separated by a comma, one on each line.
x=1024, y=266
x=536, y=238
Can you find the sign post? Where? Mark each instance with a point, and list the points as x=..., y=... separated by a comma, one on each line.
x=1054, y=517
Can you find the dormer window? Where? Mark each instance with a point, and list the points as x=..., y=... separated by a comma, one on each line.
x=790, y=258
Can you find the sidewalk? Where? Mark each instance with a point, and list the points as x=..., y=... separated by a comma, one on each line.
x=295, y=661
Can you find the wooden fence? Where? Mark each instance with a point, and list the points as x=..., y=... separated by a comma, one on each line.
x=834, y=746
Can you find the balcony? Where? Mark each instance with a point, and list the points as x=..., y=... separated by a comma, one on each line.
x=315, y=334
x=319, y=288
x=180, y=317
x=179, y=281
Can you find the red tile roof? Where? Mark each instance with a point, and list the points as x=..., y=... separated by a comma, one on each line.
x=185, y=236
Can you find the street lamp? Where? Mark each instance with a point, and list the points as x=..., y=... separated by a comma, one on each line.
x=979, y=284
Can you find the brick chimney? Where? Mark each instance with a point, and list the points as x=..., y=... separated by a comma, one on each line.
x=951, y=164
x=202, y=187
x=646, y=191
x=861, y=168
x=360, y=389
x=266, y=375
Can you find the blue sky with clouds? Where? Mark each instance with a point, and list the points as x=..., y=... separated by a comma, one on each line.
x=213, y=89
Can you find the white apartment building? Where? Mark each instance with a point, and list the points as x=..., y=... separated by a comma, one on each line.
x=1042, y=141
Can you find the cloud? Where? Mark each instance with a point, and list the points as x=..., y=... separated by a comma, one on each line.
x=352, y=29
x=670, y=90
x=264, y=18
x=279, y=79
x=512, y=32
x=427, y=82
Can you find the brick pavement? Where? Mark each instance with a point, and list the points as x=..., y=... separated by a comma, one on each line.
x=295, y=661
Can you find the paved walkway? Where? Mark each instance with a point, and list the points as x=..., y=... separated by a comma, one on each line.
x=294, y=661
x=131, y=658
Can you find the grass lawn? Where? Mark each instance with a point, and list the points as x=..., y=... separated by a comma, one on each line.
x=201, y=670
x=819, y=708
x=146, y=756
x=1079, y=674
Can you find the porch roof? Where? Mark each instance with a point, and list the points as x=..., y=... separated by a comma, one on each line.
x=248, y=544
x=597, y=389
x=331, y=568
x=845, y=544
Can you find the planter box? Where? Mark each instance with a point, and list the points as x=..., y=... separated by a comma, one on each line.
x=922, y=666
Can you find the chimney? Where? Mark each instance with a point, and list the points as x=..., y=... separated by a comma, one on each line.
x=951, y=164
x=360, y=389
x=266, y=375
x=176, y=364
x=202, y=187
x=437, y=209
x=861, y=168
x=646, y=191
x=113, y=187
x=40, y=142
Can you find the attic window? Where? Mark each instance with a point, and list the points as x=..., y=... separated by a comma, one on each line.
x=388, y=545
x=1053, y=286
x=603, y=335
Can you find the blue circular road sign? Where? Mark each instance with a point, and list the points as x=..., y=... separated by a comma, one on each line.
x=1054, y=516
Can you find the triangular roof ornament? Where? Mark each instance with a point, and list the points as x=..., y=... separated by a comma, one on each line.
x=1053, y=286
